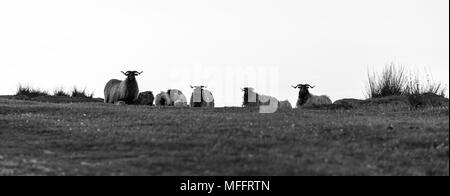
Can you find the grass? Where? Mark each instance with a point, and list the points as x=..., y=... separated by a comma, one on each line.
x=59, y=95
x=30, y=92
x=394, y=80
x=26, y=91
x=391, y=82
x=60, y=92
x=81, y=93
x=101, y=139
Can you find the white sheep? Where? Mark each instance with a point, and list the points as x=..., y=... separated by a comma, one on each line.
x=201, y=97
x=162, y=99
x=253, y=99
x=305, y=98
x=266, y=104
x=126, y=91
x=177, y=98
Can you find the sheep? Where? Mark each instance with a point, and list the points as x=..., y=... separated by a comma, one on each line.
x=284, y=105
x=126, y=91
x=253, y=99
x=177, y=98
x=162, y=99
x=307, y=99
x=201, y=97
x=266, y=104
x=146, y=98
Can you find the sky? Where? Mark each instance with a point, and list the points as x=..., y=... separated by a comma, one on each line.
x=225, y=45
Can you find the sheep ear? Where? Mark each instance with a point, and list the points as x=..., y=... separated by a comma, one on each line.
x=124, y=73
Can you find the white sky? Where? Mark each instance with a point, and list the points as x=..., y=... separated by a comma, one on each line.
x=222, y=44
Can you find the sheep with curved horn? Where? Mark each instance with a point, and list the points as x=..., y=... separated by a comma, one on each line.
x=126, y=91
x=305, y=98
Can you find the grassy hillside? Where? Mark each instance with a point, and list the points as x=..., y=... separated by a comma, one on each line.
x=98, y=139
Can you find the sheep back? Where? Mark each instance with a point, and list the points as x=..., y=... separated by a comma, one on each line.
x=207, y=98
x=162, y=99
x=318, y=101
x=146, y=98
x=111, y=91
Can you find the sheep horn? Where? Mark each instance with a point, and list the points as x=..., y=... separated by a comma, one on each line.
x=139, y=73
x=310, y=86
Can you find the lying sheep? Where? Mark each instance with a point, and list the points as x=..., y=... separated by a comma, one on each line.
x=251, y=98
x=201, y=97
x=307, y=99
x=146, y=98
x=266, y=104
x=162, y=99
x=126, y=91
x=284, y=105
x=177, y=98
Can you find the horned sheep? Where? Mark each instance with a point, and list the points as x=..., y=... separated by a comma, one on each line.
x=126, y=91
x=305, y=98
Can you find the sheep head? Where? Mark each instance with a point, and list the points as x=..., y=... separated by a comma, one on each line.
x=131, y=75
x=200, y=87
x=304, y=90
x=250, y=97
x=247, y=89
x=303, y=87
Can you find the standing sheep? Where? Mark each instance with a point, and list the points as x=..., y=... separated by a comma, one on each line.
x=201, y=97
x=307, y=99
x=126, y=91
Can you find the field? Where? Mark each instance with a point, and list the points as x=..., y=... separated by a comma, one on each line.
x=38, y=138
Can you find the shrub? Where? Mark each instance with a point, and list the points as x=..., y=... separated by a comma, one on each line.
x=81, y=93
x=60, y=93
x=30, y=92
x=394, y=81
x=391, y=82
